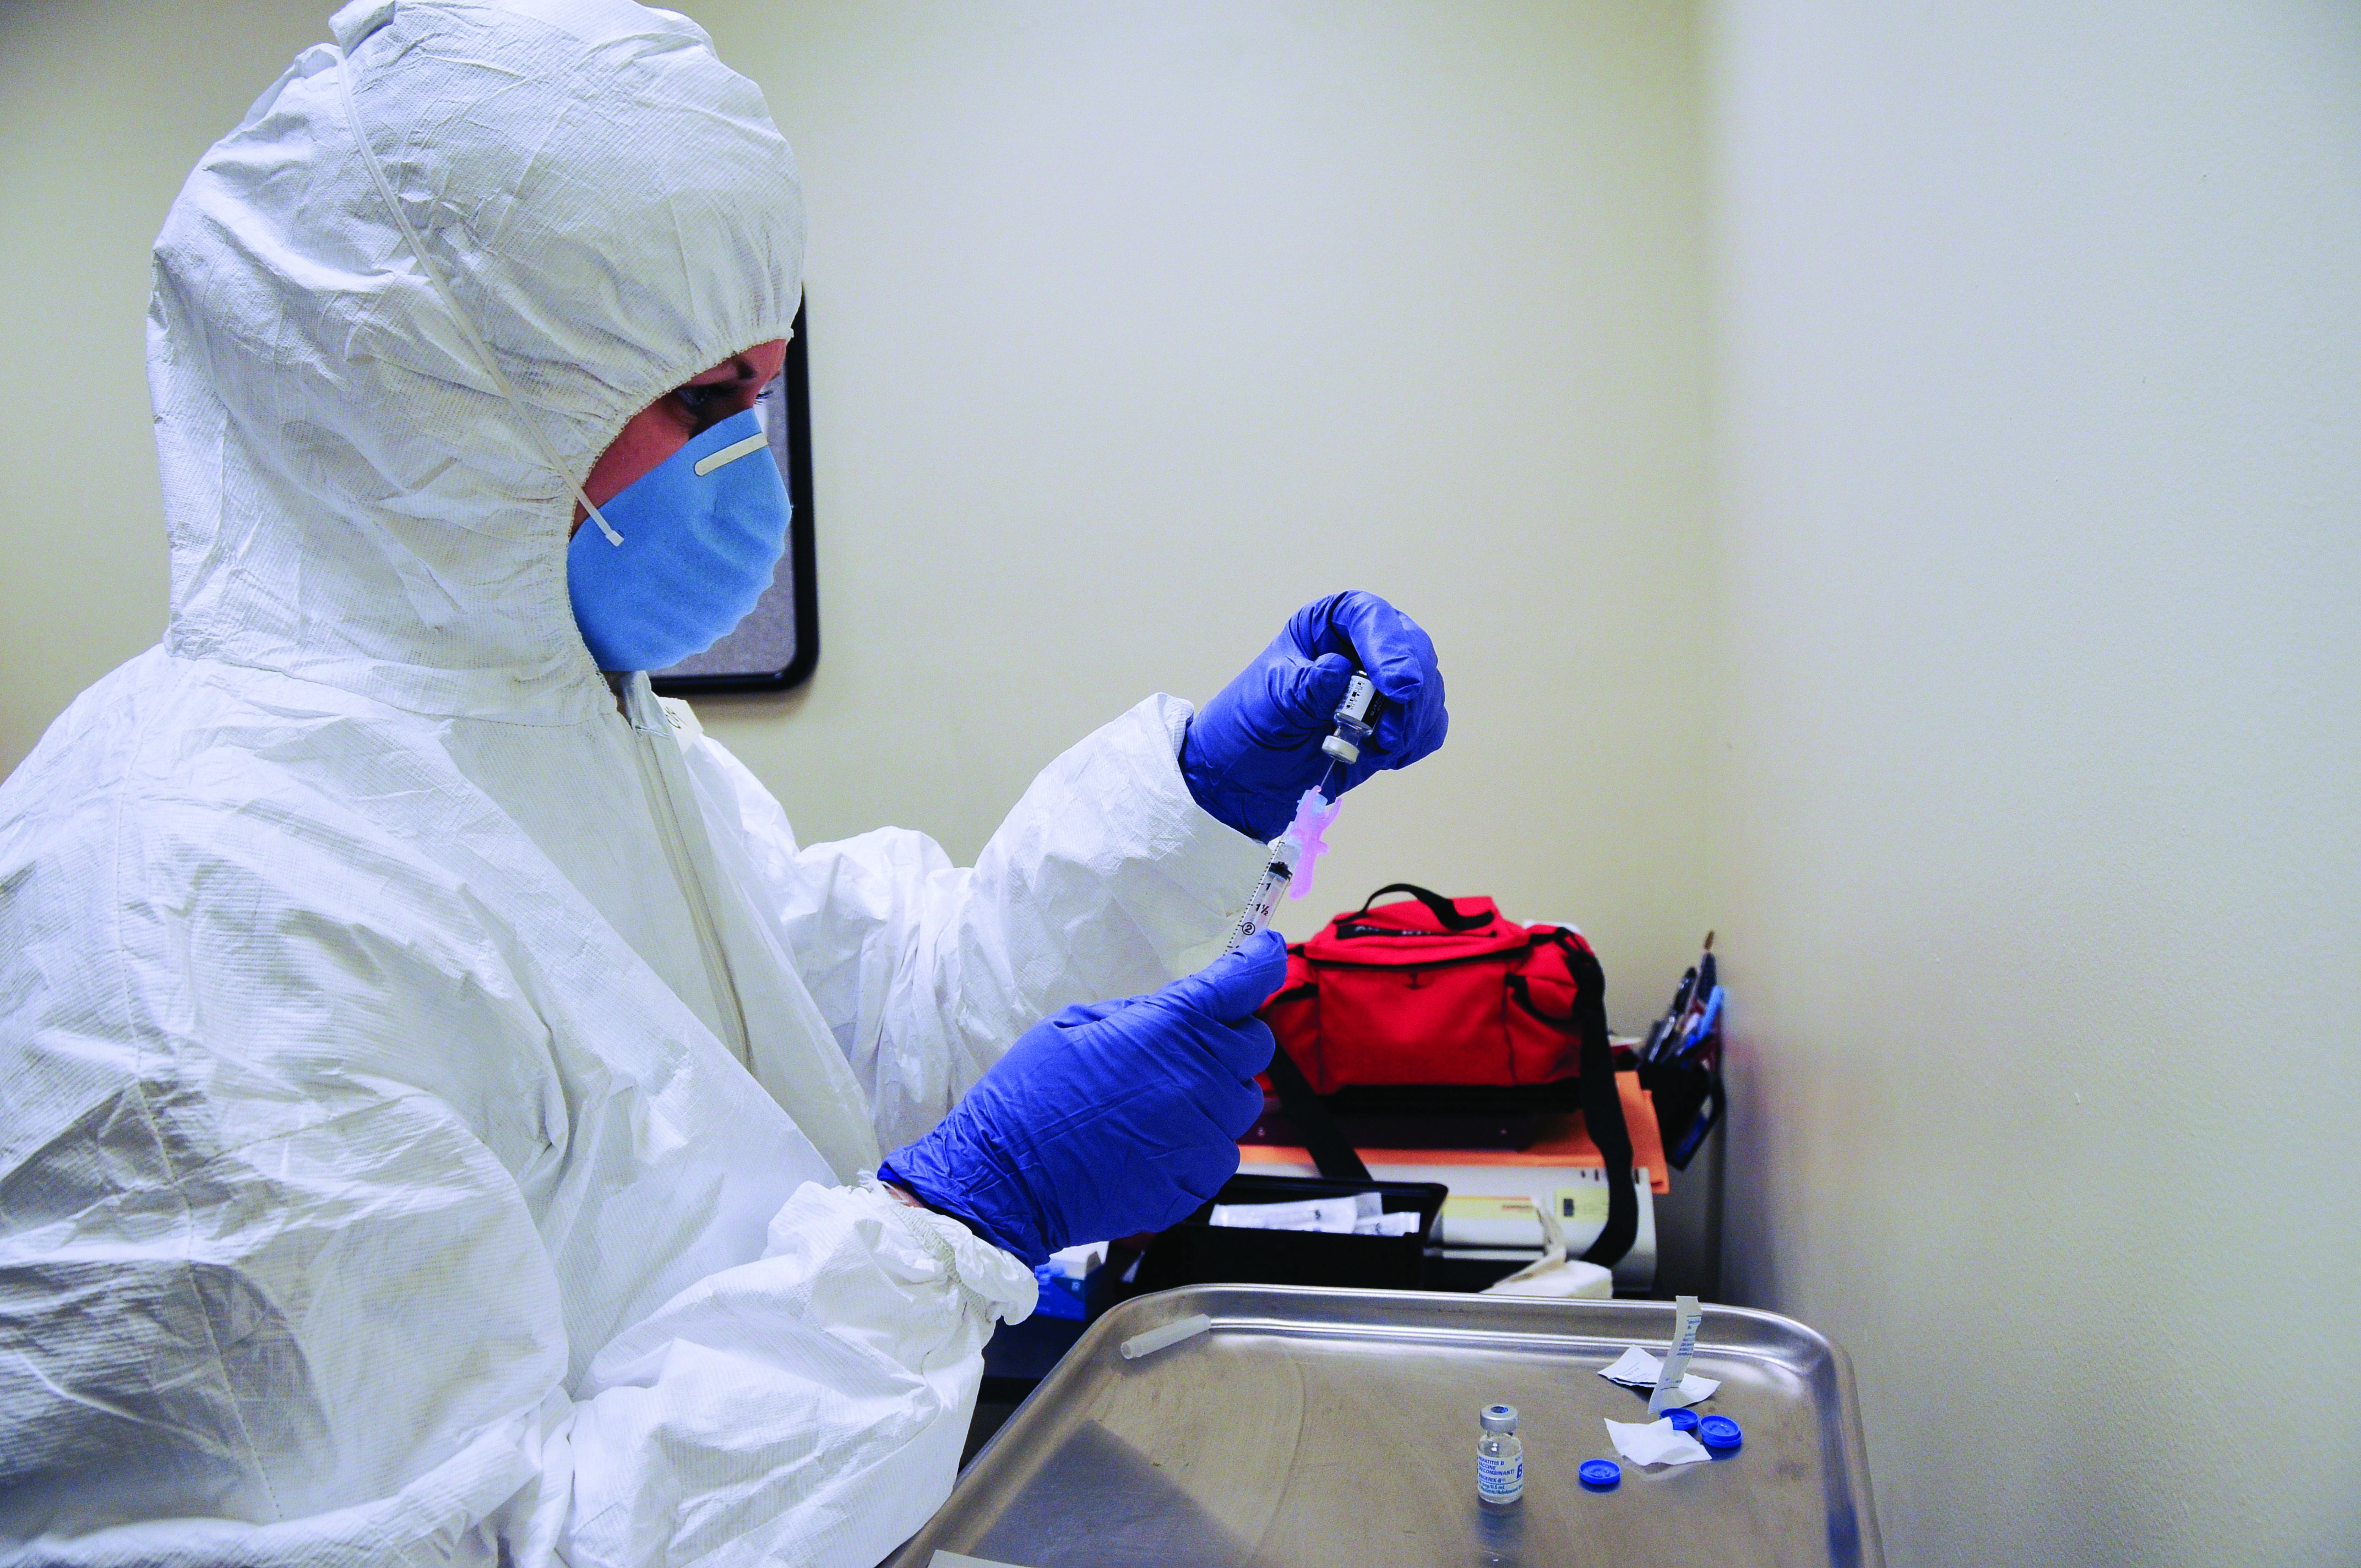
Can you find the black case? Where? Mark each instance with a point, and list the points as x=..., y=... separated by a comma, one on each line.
x=1196, y=1252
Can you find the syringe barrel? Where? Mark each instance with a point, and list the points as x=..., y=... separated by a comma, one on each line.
x=1264, y=903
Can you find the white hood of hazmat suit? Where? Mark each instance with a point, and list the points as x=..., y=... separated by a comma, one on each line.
x=437, y=1098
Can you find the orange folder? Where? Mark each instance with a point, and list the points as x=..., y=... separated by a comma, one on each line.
x=1566, y=1142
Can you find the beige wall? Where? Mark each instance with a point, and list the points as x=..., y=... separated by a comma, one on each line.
x=103, y=110
x=1132, y=328
x=2038, y=476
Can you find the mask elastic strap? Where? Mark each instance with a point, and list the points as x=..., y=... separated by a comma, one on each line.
x=450, y=303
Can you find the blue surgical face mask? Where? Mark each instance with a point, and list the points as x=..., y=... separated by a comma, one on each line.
x=702, y=534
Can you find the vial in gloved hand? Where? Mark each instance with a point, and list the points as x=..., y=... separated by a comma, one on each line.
x=1499, y=1457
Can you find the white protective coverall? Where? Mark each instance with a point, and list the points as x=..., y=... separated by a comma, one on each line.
x=436, y=1094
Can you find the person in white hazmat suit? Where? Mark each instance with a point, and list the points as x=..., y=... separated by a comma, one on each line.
x=443, y=1104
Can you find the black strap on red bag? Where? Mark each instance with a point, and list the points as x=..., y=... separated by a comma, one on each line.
x=1602, y=1102
x=1333, y=1153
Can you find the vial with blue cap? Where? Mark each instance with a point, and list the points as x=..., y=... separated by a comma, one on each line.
x=1499, y=1457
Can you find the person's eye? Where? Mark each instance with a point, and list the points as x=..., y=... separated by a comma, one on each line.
x=707, y=407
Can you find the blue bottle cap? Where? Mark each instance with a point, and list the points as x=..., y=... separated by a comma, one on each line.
x=1719, y=1431
x=1601, y=1474
x=1682, y=1421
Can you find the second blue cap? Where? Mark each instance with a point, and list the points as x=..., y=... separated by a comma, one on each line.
x=1682, y=1421
x=1601, y=1474
x=1719, y=1431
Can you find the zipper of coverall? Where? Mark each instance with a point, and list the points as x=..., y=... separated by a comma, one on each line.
x=640, y=704
x=651, y=729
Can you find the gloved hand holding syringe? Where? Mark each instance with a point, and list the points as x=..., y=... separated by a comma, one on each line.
x=1296, y=852
x=1348, y=688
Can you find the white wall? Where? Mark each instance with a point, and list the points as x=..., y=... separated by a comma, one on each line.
x=2038, y=488
x=103, y=111
x=1132, y=328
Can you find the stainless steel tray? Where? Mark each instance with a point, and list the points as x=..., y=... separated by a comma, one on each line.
x=1338, y=1427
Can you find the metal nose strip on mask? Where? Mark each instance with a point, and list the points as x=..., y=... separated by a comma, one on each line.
x=730, y=453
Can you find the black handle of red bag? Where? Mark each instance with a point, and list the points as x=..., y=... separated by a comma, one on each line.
x=1442, y=908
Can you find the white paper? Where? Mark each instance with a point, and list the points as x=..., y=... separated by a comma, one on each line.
x=1654, y=1442
x=1635, y=1368
x=1081, y=1261
x=1402, y=1223
x=1361, y=1214
x=1333, y=1214
x=1668, y=1392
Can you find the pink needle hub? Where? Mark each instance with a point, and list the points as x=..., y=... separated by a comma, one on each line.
x=1313, y=815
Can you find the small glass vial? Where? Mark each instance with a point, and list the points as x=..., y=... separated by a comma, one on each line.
x=1499, y=1457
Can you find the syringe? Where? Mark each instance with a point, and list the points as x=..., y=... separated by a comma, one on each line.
x=1354, y=717
x=1284, y=852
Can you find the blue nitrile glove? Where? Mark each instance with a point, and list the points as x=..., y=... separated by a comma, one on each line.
x=1107, y=1119
x=1252, y=751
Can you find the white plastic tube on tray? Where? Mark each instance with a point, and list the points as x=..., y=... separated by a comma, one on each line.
x=1173, y=1332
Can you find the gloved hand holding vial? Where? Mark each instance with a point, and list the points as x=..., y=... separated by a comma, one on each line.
x=1264, y=740
x=1349, y=687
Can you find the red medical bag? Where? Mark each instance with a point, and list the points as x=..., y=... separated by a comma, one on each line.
x=1438, y=999
x=1436, y=991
